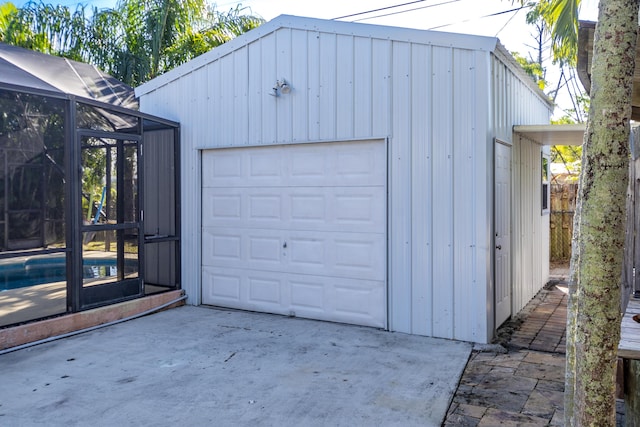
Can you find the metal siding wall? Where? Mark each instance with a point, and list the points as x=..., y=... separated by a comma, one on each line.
x=431, y=102
x=363, y=87
x=212, y=107
x=240, y=95
x=299, y=74
x=516, y=234
x=268, y=75
x=481, y=289
x=400, y=194
x=515, y=103
x=225, y=96
x=421, y=194
x=465, y=140
x=183, y=94
x=442, y=131
x=284, y=124
x=531, y=261
x=381, y=88
x=344, y=87
x=535, y=262
x=256, y=92
x=328, y=95
x=313, y=95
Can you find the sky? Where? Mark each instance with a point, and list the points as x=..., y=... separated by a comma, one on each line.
x=481, y=17
x=494, y=18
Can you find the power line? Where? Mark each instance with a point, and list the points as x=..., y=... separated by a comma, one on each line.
x=405, y=11
x=379, y=9
x=480, y=17
x=507, y=23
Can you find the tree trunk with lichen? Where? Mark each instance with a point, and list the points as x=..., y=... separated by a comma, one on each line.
x=593, y=323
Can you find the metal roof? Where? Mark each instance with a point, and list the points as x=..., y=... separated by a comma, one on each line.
x=29, y=69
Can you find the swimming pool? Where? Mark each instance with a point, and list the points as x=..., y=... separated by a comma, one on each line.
x=47, y=269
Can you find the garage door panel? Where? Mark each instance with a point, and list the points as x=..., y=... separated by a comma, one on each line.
x=221, y=167
x=357, y=163
x=353, y=301
x=328, y=254
x=360, y=297
x=245, y=289
x=264, y=166
x=222, y=246
x=265, y=206
x=297, y=230
x=354, y=255
x=221, y=287
x=221, y=207
x=264, y=250
x=264, y=290
x=359, y=209
x=344, y=164
x=356, y=301
x=308, y=294
x=359, y=255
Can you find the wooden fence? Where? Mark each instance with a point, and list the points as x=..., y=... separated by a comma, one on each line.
x=631, y=270
x=563, y=206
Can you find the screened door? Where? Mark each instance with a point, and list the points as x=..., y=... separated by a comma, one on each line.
x=110, y=232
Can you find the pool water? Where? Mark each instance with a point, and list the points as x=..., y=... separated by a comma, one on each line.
x=37, y=271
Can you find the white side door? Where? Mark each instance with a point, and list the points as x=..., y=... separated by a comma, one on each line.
x=502, y=214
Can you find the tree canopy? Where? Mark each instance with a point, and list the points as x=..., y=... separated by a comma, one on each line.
x=135, y=41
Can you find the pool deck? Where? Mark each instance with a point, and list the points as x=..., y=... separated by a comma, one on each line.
x=32, y=302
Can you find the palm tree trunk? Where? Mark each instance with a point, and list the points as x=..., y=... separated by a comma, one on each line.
x=594, y=319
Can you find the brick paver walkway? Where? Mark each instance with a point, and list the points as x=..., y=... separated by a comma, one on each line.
x=522, y=383
x=545, y=327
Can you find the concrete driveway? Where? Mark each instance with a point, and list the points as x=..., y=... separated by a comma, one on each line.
x=202, y=366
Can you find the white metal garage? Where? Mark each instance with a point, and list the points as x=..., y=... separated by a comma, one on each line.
x=297, y=230
x=284, y=94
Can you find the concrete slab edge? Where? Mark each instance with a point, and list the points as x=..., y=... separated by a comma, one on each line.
x=43, y=329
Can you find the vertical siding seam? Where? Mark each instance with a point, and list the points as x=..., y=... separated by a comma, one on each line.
x=371, y=82
x=353, y=89
x=411, y=142
x=452, y=231
x=389, y=88
x=335, y=87
x=433, y=142
x=274, y=137
x=260, y=92
x=289, y=74
x=308, y=88
x=248, y=79
x=454, y=162
x=474, y=198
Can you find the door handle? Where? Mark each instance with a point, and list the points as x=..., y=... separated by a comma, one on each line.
x=499, y=247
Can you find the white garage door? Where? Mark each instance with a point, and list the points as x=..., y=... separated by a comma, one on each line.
x=297, y=230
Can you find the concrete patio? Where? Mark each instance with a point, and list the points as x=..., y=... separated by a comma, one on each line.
x=202, y=366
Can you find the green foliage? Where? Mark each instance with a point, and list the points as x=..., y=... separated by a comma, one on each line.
x=561, y=18
x=532, y=68
x=570, y=156
x=135, y=41
x=7, y=13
